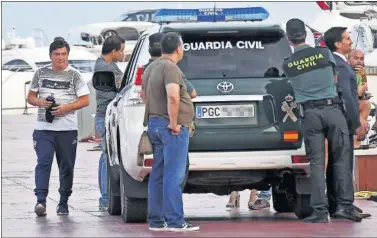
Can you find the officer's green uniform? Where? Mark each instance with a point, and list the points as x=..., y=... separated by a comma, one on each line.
x=311, y=73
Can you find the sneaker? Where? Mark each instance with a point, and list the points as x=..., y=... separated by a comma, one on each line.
x=185, y=227
x=102, y=207
x=259, y=204
x=62, y=209
x=40, y=209
x=163, y=227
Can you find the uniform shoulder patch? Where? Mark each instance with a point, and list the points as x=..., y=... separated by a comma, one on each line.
x=319, y=46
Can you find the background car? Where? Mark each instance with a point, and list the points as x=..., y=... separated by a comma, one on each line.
x=94, y=34
x=138, y=15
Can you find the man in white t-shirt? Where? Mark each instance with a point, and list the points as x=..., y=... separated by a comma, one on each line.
x=59, y=135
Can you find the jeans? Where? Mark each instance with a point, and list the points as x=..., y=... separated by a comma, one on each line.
x=168, y=172
x=265, y=195
x=102, y=167
x=46, y=144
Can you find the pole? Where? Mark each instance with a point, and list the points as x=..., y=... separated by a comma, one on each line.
x=25, y=109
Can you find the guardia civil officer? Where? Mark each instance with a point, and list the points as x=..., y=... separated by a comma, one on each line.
x=312, y=75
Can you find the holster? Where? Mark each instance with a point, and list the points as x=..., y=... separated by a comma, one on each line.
x=301, y=111
x=343, y=104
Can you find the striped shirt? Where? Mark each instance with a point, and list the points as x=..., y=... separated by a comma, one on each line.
x=66, y=86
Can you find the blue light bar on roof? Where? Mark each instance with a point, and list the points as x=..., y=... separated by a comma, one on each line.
x=211, y=14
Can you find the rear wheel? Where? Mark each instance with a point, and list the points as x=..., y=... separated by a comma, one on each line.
x=109, y=33
x=302, y=206
x=280, y=201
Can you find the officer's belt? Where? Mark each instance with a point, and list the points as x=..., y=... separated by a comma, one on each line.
x=321, y=102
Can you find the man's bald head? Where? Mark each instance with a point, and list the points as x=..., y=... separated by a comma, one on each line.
x=356, y=58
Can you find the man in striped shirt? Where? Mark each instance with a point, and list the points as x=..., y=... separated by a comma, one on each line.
x=56, y=127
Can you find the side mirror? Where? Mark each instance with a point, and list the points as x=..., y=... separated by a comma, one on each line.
x=104, y=81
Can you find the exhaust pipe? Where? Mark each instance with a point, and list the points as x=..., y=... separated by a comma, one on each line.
x=284, y=173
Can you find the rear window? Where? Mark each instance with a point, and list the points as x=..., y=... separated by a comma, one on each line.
x=248, y=54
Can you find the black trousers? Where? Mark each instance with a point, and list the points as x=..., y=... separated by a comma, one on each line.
x=46, y=144
x=331, y=194
x=318, y=123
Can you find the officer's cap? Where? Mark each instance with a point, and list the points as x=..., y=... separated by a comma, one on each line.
x=296, y=29
x=155, y=44
x=155, y=39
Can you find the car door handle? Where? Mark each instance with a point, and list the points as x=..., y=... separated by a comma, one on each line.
x=117, y=101
x=135, y=100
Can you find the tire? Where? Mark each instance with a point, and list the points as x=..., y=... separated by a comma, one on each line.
x=134, y=210
x=113, y=201
x=302, y=206
x=280, y=201
x=109, y=33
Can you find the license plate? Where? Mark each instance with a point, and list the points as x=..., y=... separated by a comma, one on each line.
x=225, y=111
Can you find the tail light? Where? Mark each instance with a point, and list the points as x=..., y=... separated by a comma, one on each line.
x=139, y=73
x=299, y=159
x=148, y=162
x=134, y=97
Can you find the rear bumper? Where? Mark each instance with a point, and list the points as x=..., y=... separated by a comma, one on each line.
x=252, y=160
x=218, y=139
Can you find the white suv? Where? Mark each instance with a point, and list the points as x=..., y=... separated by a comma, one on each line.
x=255, y=143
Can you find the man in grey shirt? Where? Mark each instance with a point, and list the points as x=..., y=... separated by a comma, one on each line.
x=112, y=51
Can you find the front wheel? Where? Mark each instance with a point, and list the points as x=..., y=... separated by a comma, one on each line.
x=133, y=209
x=113, y=201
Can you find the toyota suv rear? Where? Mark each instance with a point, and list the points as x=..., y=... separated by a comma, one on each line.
x=247, y=131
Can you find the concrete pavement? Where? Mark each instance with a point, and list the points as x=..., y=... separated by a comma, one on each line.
x=18, y=200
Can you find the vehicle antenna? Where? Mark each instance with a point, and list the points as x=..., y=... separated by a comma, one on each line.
x=214, y=12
